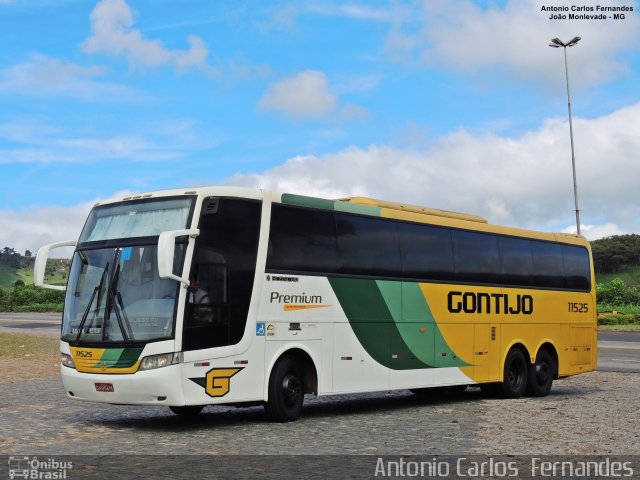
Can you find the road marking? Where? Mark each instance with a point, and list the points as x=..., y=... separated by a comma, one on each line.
x=620, y=345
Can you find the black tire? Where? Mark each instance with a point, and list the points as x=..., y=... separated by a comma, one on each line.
x=516, y=369
x=187, y=410
x=286, y=391
x=541, y=374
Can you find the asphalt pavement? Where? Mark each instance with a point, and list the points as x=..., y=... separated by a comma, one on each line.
x=42, y=324
x=619, y=351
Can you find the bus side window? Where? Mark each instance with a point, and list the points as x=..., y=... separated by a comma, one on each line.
x=224, y=265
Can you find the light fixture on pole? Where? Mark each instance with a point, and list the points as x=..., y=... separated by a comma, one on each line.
x=557, y=43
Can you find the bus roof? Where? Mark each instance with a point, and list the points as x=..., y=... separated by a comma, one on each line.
x=414, y=208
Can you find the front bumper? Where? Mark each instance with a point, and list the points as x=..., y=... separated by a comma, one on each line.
x=161, y=386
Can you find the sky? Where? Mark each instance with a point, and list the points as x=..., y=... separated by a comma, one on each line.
x=454, y=105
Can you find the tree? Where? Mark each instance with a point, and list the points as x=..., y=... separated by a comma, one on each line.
x=614, y=253
x=27, y=253
x=10, y=258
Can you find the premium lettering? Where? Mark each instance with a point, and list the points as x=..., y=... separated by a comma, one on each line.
x=499, y=303
x=303, y=298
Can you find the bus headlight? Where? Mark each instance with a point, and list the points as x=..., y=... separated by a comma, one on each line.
x=159, y=361
x=67, y=360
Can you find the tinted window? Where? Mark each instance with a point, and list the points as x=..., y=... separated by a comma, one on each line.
x=367, y=246
x=326, y=242
x=547, y=265
x=576, y=267
x=224, y=263
x=516, y=262
x=426, y=252
x=301, y=239
x=476, y=257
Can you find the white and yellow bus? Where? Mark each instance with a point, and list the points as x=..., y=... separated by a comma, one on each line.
x=222, y=295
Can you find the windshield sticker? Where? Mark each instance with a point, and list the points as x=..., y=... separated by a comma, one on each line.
x=125, y=254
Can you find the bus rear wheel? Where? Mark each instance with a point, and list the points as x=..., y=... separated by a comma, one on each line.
x=286, y=391
x=541, y=374
x=516, y=368
x=187, y=410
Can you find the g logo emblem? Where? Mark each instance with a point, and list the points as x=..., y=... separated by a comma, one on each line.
x=218, y=381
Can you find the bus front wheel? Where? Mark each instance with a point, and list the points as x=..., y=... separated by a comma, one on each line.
x=516, y=368
x=286, y=391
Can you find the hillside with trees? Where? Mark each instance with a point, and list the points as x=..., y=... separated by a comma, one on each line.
x=17, y=269
x=17, y=292
x=615, y=253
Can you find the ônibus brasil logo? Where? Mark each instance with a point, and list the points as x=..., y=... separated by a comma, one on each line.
x=34, y=468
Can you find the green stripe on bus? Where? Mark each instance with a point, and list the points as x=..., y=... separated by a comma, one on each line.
x=120, y=357
x=303, y=201
x=394, y=323
x=337, y=205
x=373, y=322
x=202, y=381
x=417, y=314
x=357, y=208
x=129, y=357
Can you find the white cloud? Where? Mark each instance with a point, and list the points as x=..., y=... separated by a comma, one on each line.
x=304, y=95
x=31, y=228
x=350, y=10
x=524, y=181
x=594, y=232
x=88, y=149
x=112, y=33
x=353, y=112
x=515, y=37
x=30, y=140
x=42, y=76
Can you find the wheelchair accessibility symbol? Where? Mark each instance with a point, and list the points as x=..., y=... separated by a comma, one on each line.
x=260, y=330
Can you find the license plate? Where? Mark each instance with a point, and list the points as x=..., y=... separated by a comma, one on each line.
x=104, y=387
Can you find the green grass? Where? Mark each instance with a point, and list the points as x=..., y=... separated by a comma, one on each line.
x=630, y=276
x=624, y=309
x=12, y=344
x=619, y=328
x=8, y=276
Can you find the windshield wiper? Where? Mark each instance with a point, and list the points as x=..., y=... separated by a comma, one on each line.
x=97, y=290
x=114, y=296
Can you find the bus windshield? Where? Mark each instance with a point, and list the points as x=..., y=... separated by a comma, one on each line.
x=115, y=295
x=136, y=219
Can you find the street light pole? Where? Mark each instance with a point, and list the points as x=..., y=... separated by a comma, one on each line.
x=557, y=43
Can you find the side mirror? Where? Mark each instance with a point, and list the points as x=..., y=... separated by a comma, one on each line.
x=166, y=251
x=41, y=263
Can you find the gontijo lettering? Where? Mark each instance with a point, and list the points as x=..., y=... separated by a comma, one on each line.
x=471, y=302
